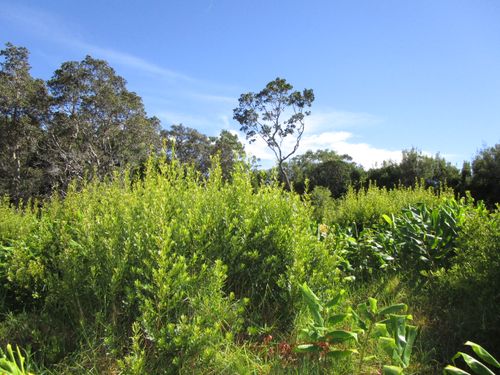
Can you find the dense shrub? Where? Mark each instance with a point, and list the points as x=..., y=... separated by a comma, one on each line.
x=192, y=261
x=417, y=241
x=468, y=292
x=366, y=206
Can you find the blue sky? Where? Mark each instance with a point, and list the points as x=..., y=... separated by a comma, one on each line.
x=387, y=75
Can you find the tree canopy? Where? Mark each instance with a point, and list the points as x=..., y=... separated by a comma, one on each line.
x=273, y=114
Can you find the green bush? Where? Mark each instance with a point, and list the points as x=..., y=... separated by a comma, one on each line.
x=468, y=292
x=417, y=241
x=193, y=261
x=366, y=206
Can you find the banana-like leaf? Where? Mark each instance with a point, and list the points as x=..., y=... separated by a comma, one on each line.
x=337, y=318
x=339, y=336
x=411, y=335
x=483, y=354
x=387, y=219
x=393, y=309
x=380, y=329
x=358, y=320
x=335, y=300
x=388, y=344
x=455, y=371
x=373, y=305
x=313, y=304
x=476, y=366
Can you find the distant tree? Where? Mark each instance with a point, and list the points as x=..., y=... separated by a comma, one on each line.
x=485, y=183
x=229, y=150
x=387, y=175
x=96, y=125
x=465, y=178
x=324, y=168
x=23, y=111
x=192, y=147
x=189, y=145
x=435, y=171
x=273, y=114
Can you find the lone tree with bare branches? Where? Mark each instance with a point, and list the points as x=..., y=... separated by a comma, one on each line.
x=273, y=114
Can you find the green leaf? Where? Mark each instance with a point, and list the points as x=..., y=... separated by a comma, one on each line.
x=454, y=371
x=373, y=305
x=411, y=335
x=476, y=366
x=380, y=329
x=313, y=304
x=392, y=370
x=335, y=300
x=358, y=320
x=387, y=219
x=339, y=336
x=387, y=344
x=337, y=318
x=483, y=354
x=393, y=309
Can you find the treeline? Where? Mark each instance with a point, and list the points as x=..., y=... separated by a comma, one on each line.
x=327, y=169
x=84, y=123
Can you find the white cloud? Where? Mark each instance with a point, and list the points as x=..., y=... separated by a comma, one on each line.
x=362, y=153
x=334, y=119
x=320, y=134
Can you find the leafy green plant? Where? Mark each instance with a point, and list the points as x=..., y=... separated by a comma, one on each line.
x=366, y=206
x=475, y=365
x=394, y=336
x=322, y=335
x=325, y=339
x=13, y=363
x=398, y=342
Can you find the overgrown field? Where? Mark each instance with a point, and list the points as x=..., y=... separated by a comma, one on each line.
x=179, y=273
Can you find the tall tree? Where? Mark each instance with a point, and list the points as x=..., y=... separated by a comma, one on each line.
x=189, y=146
x=273, y=114
x=97, y=125
x=229, y=150
x=324, y=168
x=415, y=166
x=192, y=147
x=485, y=183
x=23, y=109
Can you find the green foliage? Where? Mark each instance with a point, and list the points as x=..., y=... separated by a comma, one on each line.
x=326, y=169
x=23, y=109
x=475, y=365
x=12, y=364
x=486, y=174
x=468, y=291
x=263, y=114
x=323, y=338
x=366, y=206
x=435, y=171
x=417, y=241
x=193, y=261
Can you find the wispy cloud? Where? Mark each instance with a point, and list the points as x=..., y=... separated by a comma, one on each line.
x=133, y=62
x=48, y=26
x=324, y=120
